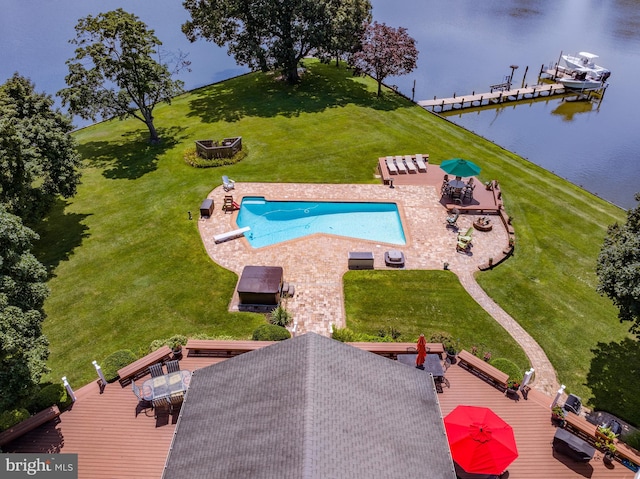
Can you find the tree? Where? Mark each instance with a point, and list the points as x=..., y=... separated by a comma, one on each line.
x=618, y=267
x=386, y=51
x=349, y=20
x=113, y=72
x=270, y=34
x=23, y=347
x=38, y=157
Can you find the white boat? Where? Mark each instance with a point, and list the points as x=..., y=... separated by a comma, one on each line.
x=582, y=79
x=584, y=61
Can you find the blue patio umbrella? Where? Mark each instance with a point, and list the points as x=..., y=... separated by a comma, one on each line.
x=460, y=167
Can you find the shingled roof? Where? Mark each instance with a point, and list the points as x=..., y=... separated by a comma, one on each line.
x=310, y=407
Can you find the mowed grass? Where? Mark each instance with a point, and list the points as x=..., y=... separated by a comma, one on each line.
x=128, y=266
x=443, y=307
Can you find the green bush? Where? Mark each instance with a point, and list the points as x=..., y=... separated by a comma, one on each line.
x=632, y=439
x=506, y=366
x=13, y=417
x=48, y=396
x=280, y=316
x=116, y=361
x=345, y=335
x=172, y=342
x=192, y=158
x=270, y=332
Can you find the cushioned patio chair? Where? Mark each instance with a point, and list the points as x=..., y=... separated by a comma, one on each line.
x=227, y=183
x=453, y=217
x=464, y=240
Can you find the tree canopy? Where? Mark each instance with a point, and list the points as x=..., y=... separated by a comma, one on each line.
x=23, y=348
x=276, y=34
x=114, y=73
x=618, y=267
x=38, y=157
x=348, y=23
x=386, y=51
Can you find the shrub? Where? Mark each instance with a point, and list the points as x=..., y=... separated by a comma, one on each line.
x=280, y=316
x=633, y=439
x=192, y=158
x=270, y=332
x=172, y=342
x=13, y=417
x=345, y=335
x=508, y=367
x=48, y=396
x=116, y=361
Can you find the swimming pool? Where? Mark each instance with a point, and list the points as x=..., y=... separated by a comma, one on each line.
x=273, y=222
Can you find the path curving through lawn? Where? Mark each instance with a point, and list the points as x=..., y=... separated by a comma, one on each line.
x=545, y=375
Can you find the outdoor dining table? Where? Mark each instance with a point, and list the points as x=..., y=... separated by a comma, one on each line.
x=164, y=386
x=432, y=364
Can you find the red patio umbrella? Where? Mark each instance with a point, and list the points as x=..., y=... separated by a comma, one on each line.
x=480, y=441
x=422, y=351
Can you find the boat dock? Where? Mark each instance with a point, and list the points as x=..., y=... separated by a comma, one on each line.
x=440, y=105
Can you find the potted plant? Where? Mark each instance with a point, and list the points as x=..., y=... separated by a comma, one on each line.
x=605, y=442
x=557, y=415
x=176, y=343
x=450, y=349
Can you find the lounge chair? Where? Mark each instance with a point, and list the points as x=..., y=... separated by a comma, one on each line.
x=464, y=241
x=400, y=165
x=391, y=165
x=422, y=166
x=410, y=164
x=453, y=217
x=227, y=183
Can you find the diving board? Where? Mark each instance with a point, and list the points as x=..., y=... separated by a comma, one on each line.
x=231, y=234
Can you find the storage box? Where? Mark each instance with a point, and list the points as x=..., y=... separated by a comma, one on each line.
x=206, y=208
x=360, y=260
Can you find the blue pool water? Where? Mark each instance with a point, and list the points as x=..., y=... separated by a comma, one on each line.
x=273, y=222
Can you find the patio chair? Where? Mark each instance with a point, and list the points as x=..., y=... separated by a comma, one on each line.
x=228, y=203
x=464, y=241
x=453, y=217
x=444, y=190
x=156, y=370
x=142, y=402
x=161, y=404
x=176, y=399
x=173, y=366
x=228, y=184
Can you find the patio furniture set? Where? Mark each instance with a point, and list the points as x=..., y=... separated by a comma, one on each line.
x=164, y=390
x=432, y=365
x=457, y=189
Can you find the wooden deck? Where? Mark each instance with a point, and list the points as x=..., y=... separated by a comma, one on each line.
x=112, y=439
x=484, y=201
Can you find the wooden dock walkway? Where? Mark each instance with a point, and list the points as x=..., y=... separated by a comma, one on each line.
x=440, y=105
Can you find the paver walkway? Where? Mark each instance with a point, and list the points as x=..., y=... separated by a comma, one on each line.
x=315, y=264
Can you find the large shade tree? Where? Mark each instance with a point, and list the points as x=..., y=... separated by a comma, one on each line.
x=618, y=267
x=115, y=71
x=38, y=157
x=386, y=51
x=348, y=22
x=272, y=34
x=23, y=347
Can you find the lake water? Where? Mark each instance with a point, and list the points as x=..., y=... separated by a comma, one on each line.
x=465, y=46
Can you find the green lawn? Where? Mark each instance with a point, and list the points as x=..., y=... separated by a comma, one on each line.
x=128, y=266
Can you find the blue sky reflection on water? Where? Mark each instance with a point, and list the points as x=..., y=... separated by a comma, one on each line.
x=465, y=46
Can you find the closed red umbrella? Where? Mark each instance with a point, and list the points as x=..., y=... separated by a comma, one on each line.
x=422, y=351
x=480, y=441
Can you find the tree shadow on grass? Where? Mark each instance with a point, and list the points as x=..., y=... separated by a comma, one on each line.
x=264, y=95
x=133, y=156
x=60, y=234
x=613, y=379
